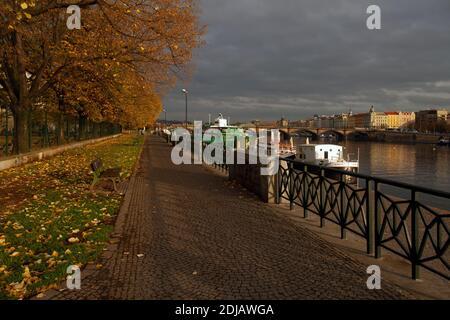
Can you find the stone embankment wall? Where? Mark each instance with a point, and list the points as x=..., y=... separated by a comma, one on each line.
x=402, y=137
x=250, y=176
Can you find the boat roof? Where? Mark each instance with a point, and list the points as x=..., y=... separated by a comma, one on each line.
x=224, y=127
x=320, y=145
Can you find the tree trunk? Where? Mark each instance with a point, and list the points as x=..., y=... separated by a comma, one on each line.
x=21, y=130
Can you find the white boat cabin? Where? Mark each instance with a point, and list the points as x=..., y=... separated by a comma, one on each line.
x=320, y=152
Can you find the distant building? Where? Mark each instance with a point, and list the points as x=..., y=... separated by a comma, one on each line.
x=283, y=123
x=376, y=120
x=392, y=120
x=341, y=121
x=327, y=122
x=406, y=119
x=428, y=120
x=368, y=120
x=359, y=120
x=351, y=122
x=302, y=124
x=323, y=122
x=396, y=120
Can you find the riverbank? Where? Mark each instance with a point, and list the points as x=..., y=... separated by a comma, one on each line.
x=397, y=137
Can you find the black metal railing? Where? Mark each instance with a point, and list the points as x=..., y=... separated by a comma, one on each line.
x=400, y=223
x=50, y=129
x=222, y=166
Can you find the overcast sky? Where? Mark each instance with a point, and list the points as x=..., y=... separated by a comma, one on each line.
x=264, y=59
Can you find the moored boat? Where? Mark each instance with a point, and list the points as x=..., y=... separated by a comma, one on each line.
x=444, y=142
x=327, y=156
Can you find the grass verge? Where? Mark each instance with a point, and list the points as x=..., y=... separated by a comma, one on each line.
x=50, y=220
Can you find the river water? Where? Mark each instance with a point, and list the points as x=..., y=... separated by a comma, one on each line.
x=423, y=165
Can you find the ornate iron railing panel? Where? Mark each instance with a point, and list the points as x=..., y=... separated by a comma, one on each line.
x=405, y=226
x=415, y=232
x=221, y=166
x=330, y=199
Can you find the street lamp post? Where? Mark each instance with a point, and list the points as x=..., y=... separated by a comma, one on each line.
x=186, y=113
x=165, y=117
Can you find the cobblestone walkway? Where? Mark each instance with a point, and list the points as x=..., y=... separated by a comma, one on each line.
x=185, y=232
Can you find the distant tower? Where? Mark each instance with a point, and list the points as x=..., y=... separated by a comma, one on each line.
x=372, y=109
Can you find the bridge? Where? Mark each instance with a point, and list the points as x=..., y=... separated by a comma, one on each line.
x=316, y=132
x=379, y=135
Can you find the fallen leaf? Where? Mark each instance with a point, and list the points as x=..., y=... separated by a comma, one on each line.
x=26, y=273
x=74, y=240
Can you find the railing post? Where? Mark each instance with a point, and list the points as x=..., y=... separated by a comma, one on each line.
x=343, y=219
x=377, y=223
x=369, y=217
x=321, y=201
x=414, y=237
x=305, y=192
x=277, y=185
x=291, y=185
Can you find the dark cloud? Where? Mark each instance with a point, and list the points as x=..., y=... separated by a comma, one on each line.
x=265, y=58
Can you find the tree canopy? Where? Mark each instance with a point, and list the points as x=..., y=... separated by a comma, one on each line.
x=113, y=68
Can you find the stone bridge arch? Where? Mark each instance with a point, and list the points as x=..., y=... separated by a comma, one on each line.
x=337, y=133
x=301, y=131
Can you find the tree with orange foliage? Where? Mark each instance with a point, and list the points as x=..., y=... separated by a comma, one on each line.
x=107, y=70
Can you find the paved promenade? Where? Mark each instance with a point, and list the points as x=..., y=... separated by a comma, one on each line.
x=186, y=232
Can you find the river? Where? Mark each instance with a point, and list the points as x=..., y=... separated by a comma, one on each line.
x=423, y=165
